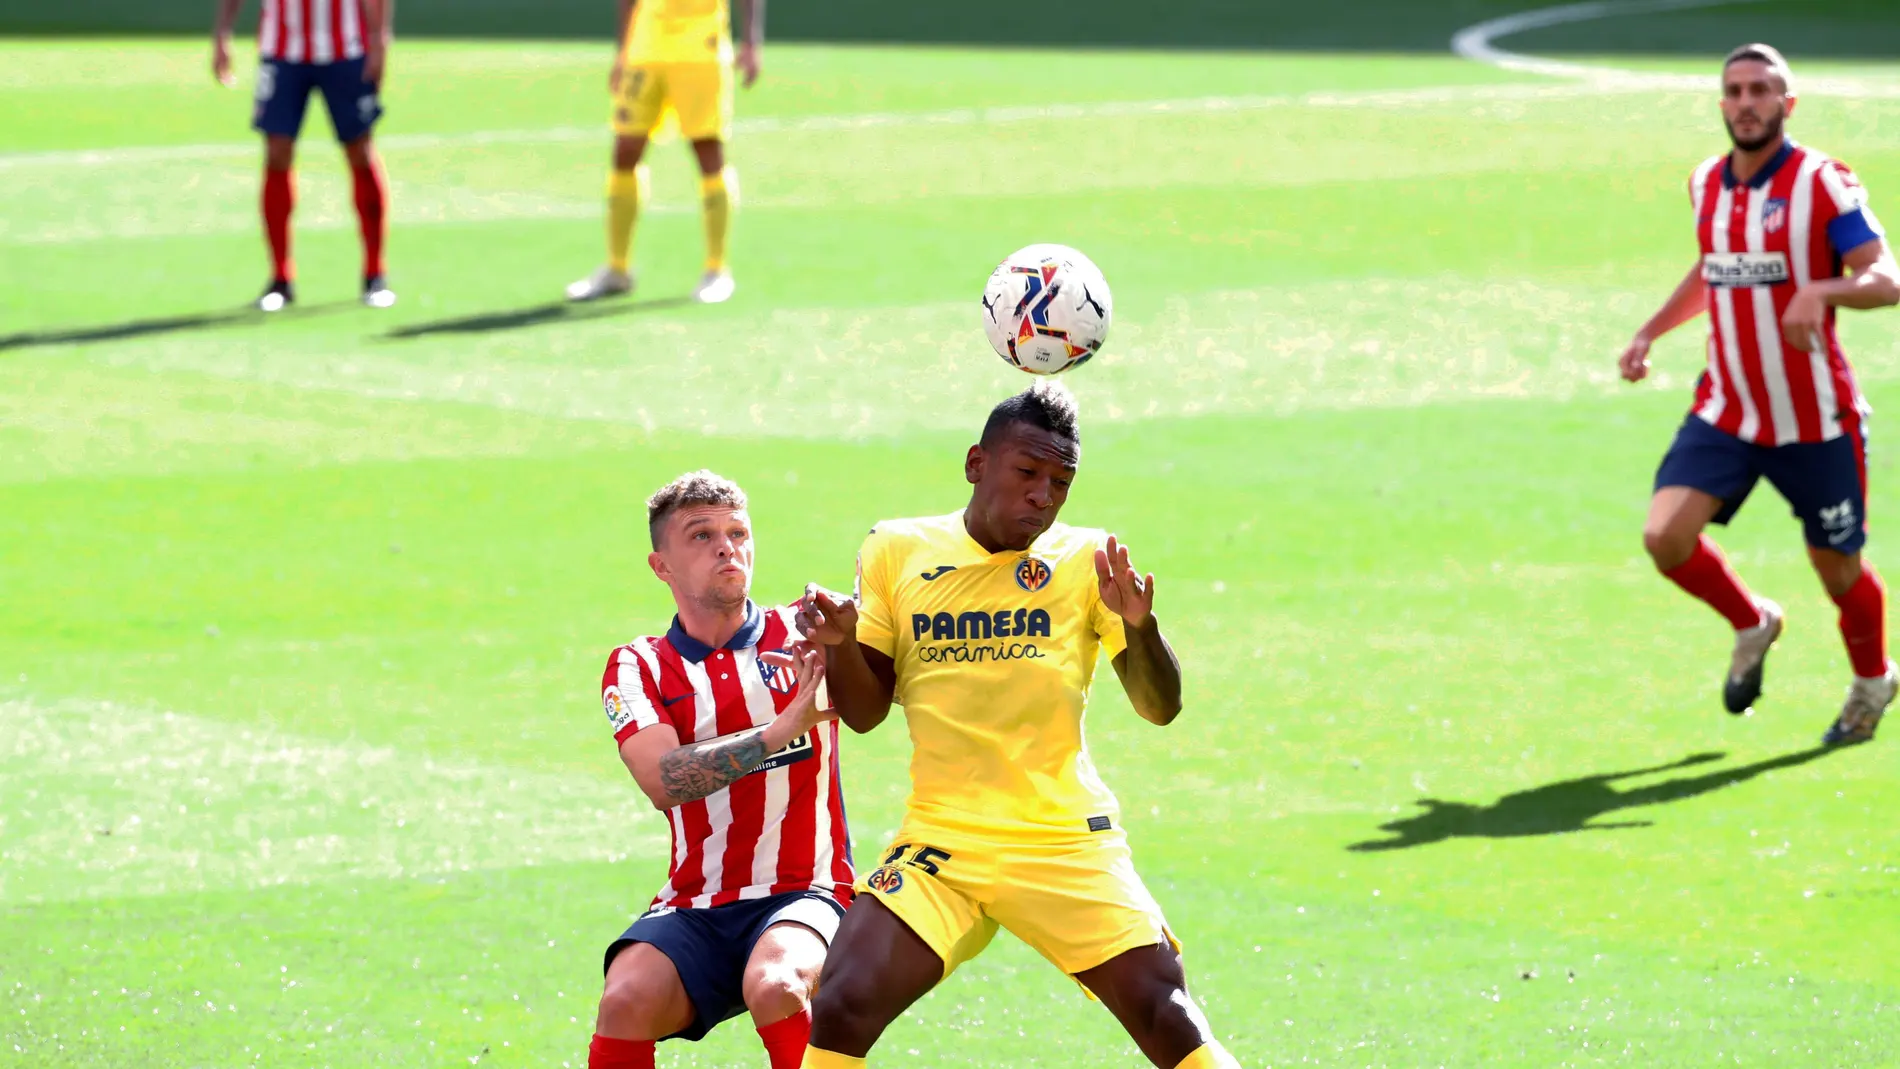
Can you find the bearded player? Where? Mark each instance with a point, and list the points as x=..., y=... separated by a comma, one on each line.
x=675, y=58
x=1786, y=238
x=337, y=48
x=727, y=734
x=985, y=624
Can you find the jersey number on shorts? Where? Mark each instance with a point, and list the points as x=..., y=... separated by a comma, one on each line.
x=925, y=858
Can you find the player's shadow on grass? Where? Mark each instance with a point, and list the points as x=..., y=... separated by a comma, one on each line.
x=1570, y=805
x=532, y=316
x=141, y=328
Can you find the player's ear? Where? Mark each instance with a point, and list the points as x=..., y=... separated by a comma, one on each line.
x=658, y=564
x=1792, y=100
x=973, y=465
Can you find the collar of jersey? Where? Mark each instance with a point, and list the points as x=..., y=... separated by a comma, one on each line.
x=984, y=556
x=1763, y=176
x=746, y=637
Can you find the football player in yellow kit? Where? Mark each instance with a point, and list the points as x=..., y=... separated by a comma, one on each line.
x=676, y=58
x=985, y=625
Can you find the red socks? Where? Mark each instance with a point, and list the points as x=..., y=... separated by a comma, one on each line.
x=608, y=1053
x=372, y=202
x=784, y=1045
x=785, y=1040
x=1864, y=623
x=1706, y=575
x=280, y=196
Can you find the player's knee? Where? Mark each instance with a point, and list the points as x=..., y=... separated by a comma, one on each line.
x=635, y=1006
x=280, y=153
x=776, y=991
x=1667, y=546
x=850, y=1002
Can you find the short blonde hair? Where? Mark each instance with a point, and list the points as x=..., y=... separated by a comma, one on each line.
x=700, y=487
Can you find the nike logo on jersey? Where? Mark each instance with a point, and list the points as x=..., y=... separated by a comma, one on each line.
x=941, y=570
x=669, y=702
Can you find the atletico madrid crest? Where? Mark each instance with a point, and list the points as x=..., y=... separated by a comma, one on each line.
x=1774, y=215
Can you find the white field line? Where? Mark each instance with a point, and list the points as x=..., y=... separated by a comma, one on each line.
x=1372, y=98
x=1478, y=43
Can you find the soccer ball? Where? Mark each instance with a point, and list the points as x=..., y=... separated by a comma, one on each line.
x=1046, y=309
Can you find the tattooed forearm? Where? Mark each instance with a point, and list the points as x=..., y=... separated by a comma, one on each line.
x=692, y=772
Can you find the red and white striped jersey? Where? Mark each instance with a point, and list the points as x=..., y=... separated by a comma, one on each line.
x=311, y=31
x=1763, y=240
x=779, y=828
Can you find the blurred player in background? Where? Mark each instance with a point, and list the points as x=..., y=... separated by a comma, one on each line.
x=729, y=735
x=986, y=625
x=1777, y=223
x=337, y=48
x=675, y=58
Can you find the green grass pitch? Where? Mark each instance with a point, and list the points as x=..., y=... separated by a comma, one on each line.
x=301, y=620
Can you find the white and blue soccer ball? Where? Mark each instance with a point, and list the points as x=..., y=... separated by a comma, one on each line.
x=1046, y=309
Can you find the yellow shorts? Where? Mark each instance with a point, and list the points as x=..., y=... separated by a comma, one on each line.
x=1078, y=903
x=699, y=93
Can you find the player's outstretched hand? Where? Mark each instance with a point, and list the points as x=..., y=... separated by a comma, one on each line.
x=807, y=662
x=748, y=64
x=1127, y=594
x=825, y=618
x=1634, y=363
x=221, y=62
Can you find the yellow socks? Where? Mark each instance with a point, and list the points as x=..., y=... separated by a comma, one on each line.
x=824, y=1059
x=718, y=192
x=626, y=195
x=1210, y=1056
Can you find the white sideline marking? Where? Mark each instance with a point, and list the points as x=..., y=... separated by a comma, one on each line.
x=1373, y=98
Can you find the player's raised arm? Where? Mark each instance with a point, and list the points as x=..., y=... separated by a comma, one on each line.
x=1690, y=299
x=672, y=774
x=1149, y=670
x=862, y=681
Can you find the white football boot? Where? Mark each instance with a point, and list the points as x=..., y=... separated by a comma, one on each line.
x=1867, y=701
x=715, y=287
x=1743, y=685
x=605, y=282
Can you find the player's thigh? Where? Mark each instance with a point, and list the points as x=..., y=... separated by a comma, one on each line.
x=1703, y=478
x=878, y=966
x=354, y=103
x=1146, y=989
x=1079, y=904
x=702, y=95
x=640, y=100
x=787, y=953
x=643, y=996
x=1824, y=485
x=280, y=96
x=782, y=971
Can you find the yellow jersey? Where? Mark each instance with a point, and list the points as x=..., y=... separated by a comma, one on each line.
x=679, y=31
x=994, y=655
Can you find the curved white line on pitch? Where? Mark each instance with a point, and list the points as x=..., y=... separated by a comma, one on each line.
x=1476, y=42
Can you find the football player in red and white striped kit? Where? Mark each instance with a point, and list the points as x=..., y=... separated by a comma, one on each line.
x=338, y=48
x=1786, y=238
x=723, y=723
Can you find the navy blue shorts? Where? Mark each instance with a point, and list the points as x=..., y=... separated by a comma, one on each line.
x=710, y=947
x=283, y=90
x=1824, y=482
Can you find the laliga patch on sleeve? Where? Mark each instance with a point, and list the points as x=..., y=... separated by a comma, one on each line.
x=619, y=714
